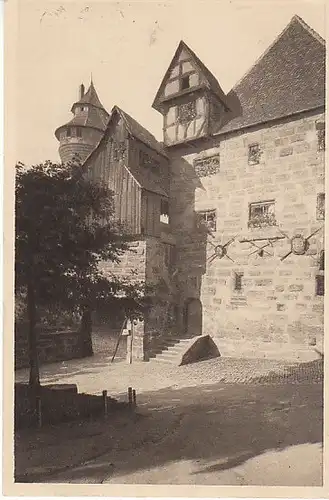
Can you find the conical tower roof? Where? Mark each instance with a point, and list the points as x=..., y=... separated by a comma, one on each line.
x=90, y=97
x=88, y=112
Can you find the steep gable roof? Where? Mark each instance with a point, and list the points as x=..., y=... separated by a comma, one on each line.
x=209, y=79
x=287, y=79
x=140, y=133
x=147, y=180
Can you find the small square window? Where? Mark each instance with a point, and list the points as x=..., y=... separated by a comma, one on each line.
x=254, y=154
x=320, y=206
x=262, y=214
x=238, y=281
x=185, y=83
x=319, y=285
x=208, y=219
x=321, y=134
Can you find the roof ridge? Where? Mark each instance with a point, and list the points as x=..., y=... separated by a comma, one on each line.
x=277, y=38
x=312, y=32
x=126, y=116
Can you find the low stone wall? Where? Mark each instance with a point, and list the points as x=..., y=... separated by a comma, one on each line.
x=52, y=346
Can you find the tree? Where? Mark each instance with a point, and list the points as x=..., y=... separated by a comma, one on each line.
x=64, y=229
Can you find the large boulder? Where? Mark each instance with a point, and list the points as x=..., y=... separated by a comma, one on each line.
x=201, y=349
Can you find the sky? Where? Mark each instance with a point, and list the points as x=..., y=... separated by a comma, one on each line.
x=127, y=46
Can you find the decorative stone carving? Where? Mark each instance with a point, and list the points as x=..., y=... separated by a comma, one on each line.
x=186, y=112
x=207, y=166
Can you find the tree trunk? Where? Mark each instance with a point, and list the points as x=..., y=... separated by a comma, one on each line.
x=86, y=331
x=34, y=380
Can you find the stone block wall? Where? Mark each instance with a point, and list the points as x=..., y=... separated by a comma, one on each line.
x=149, y=260
x=277, y=308
x=52, y=346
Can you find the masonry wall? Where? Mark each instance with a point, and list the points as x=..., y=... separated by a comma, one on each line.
x=277, y=312
x=148, y=261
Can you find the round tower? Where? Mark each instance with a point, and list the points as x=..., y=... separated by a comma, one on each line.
x=80, y=136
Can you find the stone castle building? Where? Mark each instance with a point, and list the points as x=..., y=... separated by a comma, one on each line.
x=228, y=211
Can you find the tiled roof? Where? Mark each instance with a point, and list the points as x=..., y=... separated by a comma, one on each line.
x=140, y=133
x=147, y=180
x=287, y=79
x=92, y=118
x=90, y=97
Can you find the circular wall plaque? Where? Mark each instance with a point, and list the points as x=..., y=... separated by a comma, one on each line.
x=298, y=245
x=220, y=251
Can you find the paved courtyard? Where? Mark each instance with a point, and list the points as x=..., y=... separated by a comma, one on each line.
x=222, y=421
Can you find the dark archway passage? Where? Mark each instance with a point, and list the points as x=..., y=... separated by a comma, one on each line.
x=193, y=317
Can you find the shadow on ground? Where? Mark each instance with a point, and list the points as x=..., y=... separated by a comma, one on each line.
x=212, y=427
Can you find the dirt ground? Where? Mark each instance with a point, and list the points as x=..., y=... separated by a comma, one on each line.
x=221, y=422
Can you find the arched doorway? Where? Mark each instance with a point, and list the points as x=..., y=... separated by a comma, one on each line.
x=193, y=317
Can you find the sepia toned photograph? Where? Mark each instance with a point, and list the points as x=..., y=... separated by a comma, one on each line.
x=169, y=243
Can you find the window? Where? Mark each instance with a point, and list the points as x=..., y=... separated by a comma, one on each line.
x=208, y=219
x=254, y=154
x=319, y=285
x=168, y=255
x=321, y=133
x=206, y=166
x=164, y=212
x=119, y=151
x=185, y=83
x=186, y=112
x=262, y=214
x=68, y=132
x=145, y=160
x=320, y=206
x=79, y=132
x=238, y=281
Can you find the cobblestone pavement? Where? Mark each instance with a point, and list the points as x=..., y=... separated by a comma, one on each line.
x=94, y=374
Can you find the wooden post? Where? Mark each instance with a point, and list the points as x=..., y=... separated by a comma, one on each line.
x=104, y=394
x=130, y=396
x=39, y=411
x=129, y=342
x=134, y=398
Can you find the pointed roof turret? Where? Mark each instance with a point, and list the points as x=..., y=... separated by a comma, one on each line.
x=90, y=97
x=88, y=111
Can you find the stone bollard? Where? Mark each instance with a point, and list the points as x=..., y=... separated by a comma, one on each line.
x=134, y=398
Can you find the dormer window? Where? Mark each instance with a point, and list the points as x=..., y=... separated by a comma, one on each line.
x=185, y=83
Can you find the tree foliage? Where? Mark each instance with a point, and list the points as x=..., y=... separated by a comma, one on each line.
x=65, y=228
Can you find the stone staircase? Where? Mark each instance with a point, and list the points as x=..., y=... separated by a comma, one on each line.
x=171, y=350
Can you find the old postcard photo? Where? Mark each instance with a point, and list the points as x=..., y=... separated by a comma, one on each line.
x=165, y=185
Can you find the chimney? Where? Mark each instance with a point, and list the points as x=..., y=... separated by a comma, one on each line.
x=81, y=91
